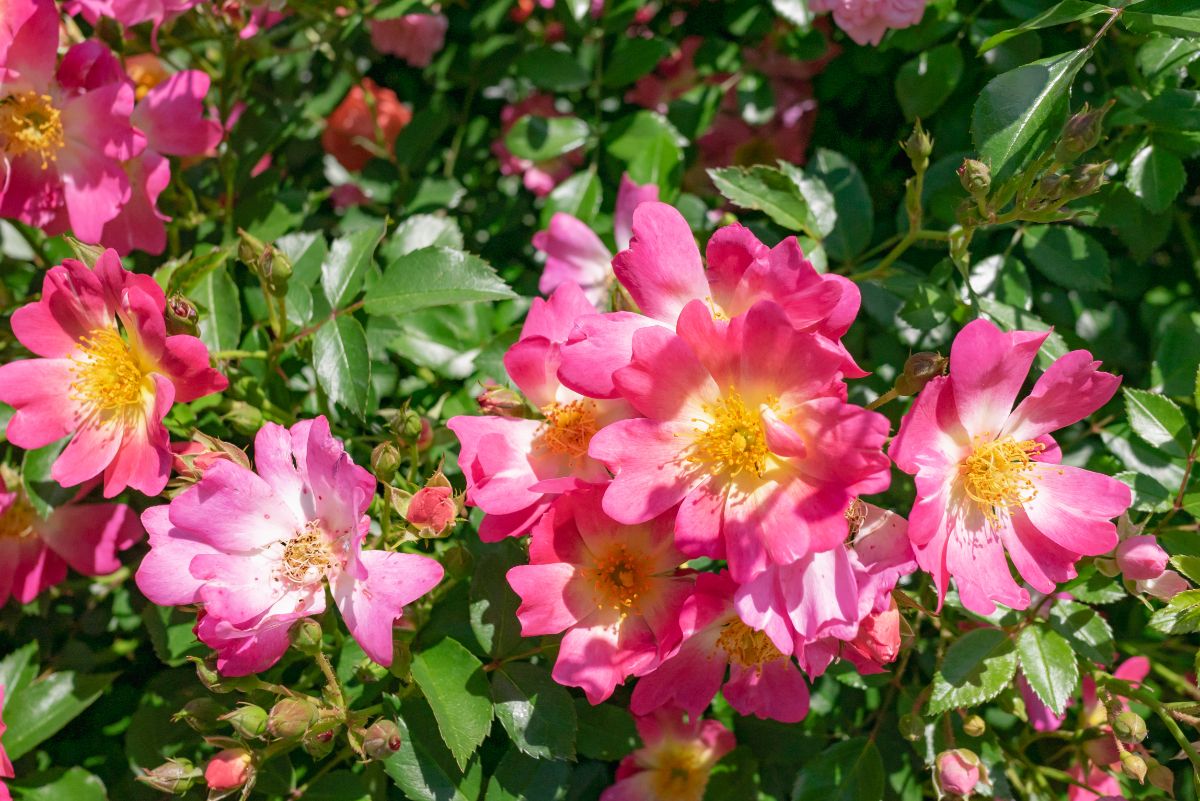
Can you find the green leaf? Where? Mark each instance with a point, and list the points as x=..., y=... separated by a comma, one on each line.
x=42, y=708
x=650, y=147
x=975, y=669
x=924, y=83
x=17, y=670
x=1058, y=14
x=544, y=138
x=796, y=12
x=553, y=68
x=1172, y=17
x=1149, y=495
x=734, y=777
x=434, y=276
x=1180, y=616
x=816, y=195
x=520, y=778
x=221, y=320
x=340, y=785
x=1021, y=112
x=578, y=196
x=493, y=602
x=1189, y=566
x=1159, y=421
x=855, y=216
x=536, y=711
x=184, y=276
x=342, y=364
x=1085, y=629
x=633, y=57
x=306, y=250
x=606, y=731
x=849, y=771
x=43, y=492
x=1067, y=256
x=1161, y=55
x=346, y=265
x=74, y=785
x=423, y=768
x=422, y=231
x=456, y=687
x=1049, y=665
x=1156, y=176
x=1173, y=110
x=768, y=190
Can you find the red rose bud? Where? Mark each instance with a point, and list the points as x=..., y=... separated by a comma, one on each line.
x=229, y=769
x=291, y=717
x=181, y=316
x=175, y=776
x=382, y=739
x=957, y=771
x=432, y=508
x=1141, y=558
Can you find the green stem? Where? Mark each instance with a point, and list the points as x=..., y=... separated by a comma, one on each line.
x=331, y=680
x=238, y=354
x=1143, y=696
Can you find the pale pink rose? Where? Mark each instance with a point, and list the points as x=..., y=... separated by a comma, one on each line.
x=866, y=21
x=1164, y=587
x=676, y=758
x=1141, y=558
x=414, y=38
x=957, y=772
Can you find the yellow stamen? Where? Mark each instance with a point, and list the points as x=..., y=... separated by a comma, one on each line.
x=996, y=475
x=108, y=378
x=568, y=428
x=747, y=647
x=734, y=441
x=679, y=774
x=621, y=577
x=18, y=519
x=29, y=123
x=308, y=556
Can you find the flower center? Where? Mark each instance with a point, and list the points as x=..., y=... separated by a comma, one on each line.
x=734, y=441
x=621, y=578
x=18, y=519
x=747, y=647
x=107, y=376
x=679, y=774
x=568, y=428
x=29, y=123
x=996, y=474
x=146, y=73
x=308, y=556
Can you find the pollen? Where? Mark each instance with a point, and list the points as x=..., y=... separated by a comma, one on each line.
x=308, y=556
x=997, y=474
x=107, y=377
x=18, y=519
x=747, y=647
x=621, y=578
x=734, y=440
x=568, y=428
x=679, y=774
x=30, y=124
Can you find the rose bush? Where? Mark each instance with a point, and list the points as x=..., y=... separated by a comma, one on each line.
x=697, y=400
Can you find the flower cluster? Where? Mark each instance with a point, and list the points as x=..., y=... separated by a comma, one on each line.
x=84, y=139
x=713, y=424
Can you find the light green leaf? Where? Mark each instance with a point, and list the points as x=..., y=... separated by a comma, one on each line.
x=849, y=771
x=1058, y=14
x=423, y=768
x=536, y=711
x=42, y=708
x=855, y=215
x=818, y=197
x=1158, y=420
x=521, y=778
x=767, y=190
x=544, y=138
x=1189, y=566
x=579, y=196
x=342, y=363
x=1049, y=665
x=422, y=231
x=796, y=12
x=1162, y=55
x=1172, y=17
x=1149, y=495
x=306, y=250
x=456, y=687
x=17, y=670
x=346, y=265
x=1180, y=616
x=74, y=785
x=553, y=68
x=650, y=147
x=221, y=316
x=1085, y=629
x=1021, y=112
x=924, y=83
x=434, y=276
x=976, y=668
x=1156, y=176
x=1067, y=256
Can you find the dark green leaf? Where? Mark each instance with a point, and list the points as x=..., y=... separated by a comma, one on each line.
x=976, y=668
x=544, y=138
x=579, y=196
x=605, y=731
x=553, y=68
x=650, y=147
x=43, y=492
x=767, y=190
x=632, y=58
x=924, y=83
x=342, y=364
x=1049, y=665
x=1172, y=17
x=1162, y=55
x=1085, y=629
x=74, y=785
x=456, y=687
x=849, y=771
x=1156, y=176
x=493, y=602
x=340, y=785
x=346, y=265
x=434, y=276
x=536, y=711
x=1067, y=256
x=1058, y=14
x=221, y=310
x=1159, y=421
x=855, y=216
x=43, y=707
x=185, y=276
x=520, y=778
x=423, y=768
x=1021, y=112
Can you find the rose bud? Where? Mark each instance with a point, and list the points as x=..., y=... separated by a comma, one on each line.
x=306, y=636
x=1129, y=727
x=432, y=509
x=976, y=178
x=919, y=370
x=229, y=769
x=957, y=771
x=1134, y=767
x=1161, y=777
x=1082, y=133
x=385, y=459
x=248, y=720
x=1165, y=587
x=175, y=776
x=291, y=717
x=1141, y=558
x=500, y=401
x=181, y=316
x=974, y=726
x=381, y=739
x=202, y=714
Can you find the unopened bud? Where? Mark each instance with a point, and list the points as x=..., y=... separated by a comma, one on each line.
x=432, y=510
x=974, y=726
x=291, y=717
x=500, y=401
x=1052, y=187
x=1087, y=178
x=912, y=727
x=918, y=147
x=318, y=743
x=175, y=776
x=271, y=265
x=206, y=671
x=306, y=636
x=1141, y=557
x=957, y=771
x=202, y=714
x=1129, y=727
x=248, y=720
x=976, y=178
x=181, y=316
x=1081, y=133
x=919, y=370
x=229, y=769
x=385, y=459
x=1133, y=766
x=381, y=739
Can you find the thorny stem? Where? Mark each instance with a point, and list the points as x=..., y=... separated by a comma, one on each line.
x=331, y=679
x=1142, y=696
